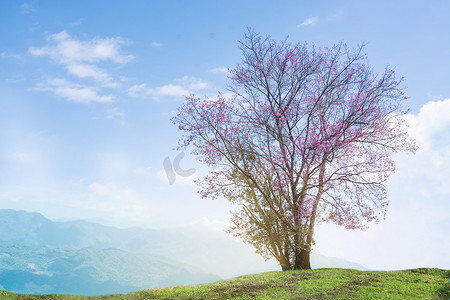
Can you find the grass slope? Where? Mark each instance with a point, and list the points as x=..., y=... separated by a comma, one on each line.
x=420, y=283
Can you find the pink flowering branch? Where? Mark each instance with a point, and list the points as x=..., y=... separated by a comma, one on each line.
x=306, y=137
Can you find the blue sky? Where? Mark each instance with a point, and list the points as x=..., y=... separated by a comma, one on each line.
x=87, y=89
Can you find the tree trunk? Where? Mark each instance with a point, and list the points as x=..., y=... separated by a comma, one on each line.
x=301, y=260
x=284, y=262
x=285, y=267
x=304, y=263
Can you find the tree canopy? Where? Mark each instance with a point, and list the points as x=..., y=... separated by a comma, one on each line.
x=307, y=136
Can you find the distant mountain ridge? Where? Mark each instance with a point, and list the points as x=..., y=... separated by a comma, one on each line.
x=206, y=252
x=30, y=268
x=33, y=227
x=203, y=256
x=197, y=249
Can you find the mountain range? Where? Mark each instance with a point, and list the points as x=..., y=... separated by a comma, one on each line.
x=34, y=269
x=38, y=255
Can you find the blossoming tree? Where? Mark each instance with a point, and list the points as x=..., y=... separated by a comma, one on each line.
x=307, y=137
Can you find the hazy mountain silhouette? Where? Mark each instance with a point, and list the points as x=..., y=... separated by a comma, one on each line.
x=30, y=268
x=67, y=246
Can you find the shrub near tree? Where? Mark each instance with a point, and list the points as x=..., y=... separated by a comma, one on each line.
x=306, y=137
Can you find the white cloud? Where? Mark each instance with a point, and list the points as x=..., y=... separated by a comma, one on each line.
x=115, y=113
x=192, y=83
x=80, y=58
x=86, y=71
x=218, y=70
x=169, y=90
x=308, y=22
x=138, y=90
x=433, y=118
x=156, y=44
x=178, y=88
x=427, y=171
x=74, y=92
x=67, y=50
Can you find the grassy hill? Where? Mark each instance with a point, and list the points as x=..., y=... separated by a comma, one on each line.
x=420, y=283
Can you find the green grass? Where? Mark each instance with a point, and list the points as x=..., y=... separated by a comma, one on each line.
x=307, y=284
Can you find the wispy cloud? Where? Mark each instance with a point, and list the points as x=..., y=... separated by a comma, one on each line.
x=34, y=27
x=168, y=90
x=79, y=57
x=67, y=50
x=28, y=7
x=10, y=55
x=192, y=83
x=219, y=70
x=178, y=88
x=85, y=71
x=308, y=22
x=115, y=113
x=73, y=92
x=142, y=90
x=138, y=90
x=156, y=44
x=77, y=22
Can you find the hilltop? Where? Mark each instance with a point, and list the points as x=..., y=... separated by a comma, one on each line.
x=420, y=283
